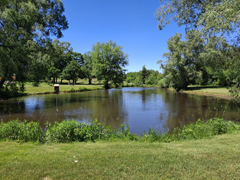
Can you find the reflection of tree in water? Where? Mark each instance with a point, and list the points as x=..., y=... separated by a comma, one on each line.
x=146, y=95
x=110, y=109
x=10, y=109
x=185, y=108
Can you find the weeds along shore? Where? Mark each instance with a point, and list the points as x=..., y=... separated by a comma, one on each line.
x=74, y=131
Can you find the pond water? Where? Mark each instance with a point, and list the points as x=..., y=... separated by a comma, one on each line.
x=141, y=108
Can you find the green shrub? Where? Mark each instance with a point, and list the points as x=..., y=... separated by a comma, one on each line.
x=16, y=130
x=72, y=90
x=202, y=129
x=197, y=130
x=71, y=130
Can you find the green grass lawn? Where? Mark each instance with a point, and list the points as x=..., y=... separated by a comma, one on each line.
x=215, y=158
x=208, y=89
x=44, y=87
x=48, y=88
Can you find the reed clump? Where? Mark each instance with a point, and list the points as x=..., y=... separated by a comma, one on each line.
x=74, y=131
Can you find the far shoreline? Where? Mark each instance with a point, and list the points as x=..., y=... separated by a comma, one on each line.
x=214, y=95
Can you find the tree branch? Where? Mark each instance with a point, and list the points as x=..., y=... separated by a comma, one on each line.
x=4, y=46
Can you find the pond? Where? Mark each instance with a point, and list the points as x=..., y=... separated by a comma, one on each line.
x=141, y=108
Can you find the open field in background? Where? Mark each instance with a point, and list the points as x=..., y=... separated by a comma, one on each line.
x=45, y=88
x=214, y=91
x=48, y=87
x=82, y=84
x=215, y=158
x=81, y=81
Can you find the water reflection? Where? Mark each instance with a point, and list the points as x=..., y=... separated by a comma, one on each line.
x=141, y=108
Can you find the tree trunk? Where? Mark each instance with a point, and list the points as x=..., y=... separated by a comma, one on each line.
x=89, y=81
x=106, y=85
x=61, y=81
x=1, y=83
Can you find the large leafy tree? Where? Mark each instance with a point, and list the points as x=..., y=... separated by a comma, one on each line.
x=60, y=55
x=212, y=15
x=219, y=21
x=144, y=74
x=88, y=66
x=183, y=61
x=153, y=77
x=131, y=76
x=22, y=24
x=73, y=68
x=71, y=71
x=108, y=62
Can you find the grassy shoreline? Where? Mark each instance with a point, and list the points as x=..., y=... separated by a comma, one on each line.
x=44, y=88
x=213, y=91
x=201, y=150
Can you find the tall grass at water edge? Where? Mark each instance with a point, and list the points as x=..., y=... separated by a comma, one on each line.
x=74, y=131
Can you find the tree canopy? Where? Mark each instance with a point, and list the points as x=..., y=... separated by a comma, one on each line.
x=108, y=62
x=88, y=66
x=218, y=22
x=183, y=60
x=214, y=15
x=25, y=27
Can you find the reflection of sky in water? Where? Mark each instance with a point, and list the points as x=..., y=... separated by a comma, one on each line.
x=144, y=110
x=33, y=103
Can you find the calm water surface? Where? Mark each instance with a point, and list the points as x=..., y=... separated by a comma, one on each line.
x=141, y=108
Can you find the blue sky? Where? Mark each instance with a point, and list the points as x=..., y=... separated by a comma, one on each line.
x=130, y=23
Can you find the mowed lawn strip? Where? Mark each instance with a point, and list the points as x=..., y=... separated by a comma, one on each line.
x=215, y=158
x=45, y=88
x=208, y=89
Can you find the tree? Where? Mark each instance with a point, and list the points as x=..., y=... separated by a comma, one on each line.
x=108, y=62
x=153, y=77
x=88, y=66
x=213, y=15
x=218, y=20
x=184, y=63
x=131, y=76
x=60, y=55
x=37, y=68
x=71, y=71
x=78, y=58
x=23, y=23
x=144, y=74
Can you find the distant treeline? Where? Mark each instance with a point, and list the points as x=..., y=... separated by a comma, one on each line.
x=145, y=76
